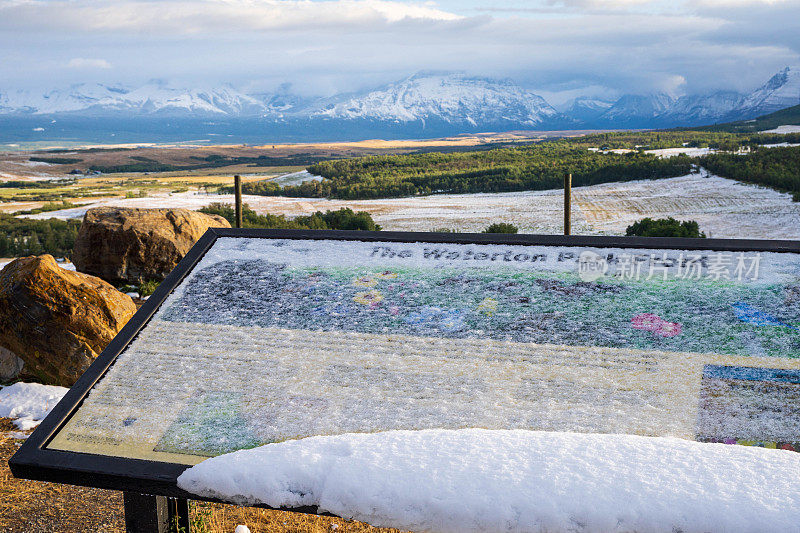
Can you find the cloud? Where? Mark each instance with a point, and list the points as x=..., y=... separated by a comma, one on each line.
x=329, y=46
x=210, y=17
x=87, y=63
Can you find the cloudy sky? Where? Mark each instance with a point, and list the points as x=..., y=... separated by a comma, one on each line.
x=560, y=48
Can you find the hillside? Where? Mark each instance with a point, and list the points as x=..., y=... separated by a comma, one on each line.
x=783, y=117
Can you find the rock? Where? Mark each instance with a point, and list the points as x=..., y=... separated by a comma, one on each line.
x=10, y=365
x=127, y=245
x=55, y=320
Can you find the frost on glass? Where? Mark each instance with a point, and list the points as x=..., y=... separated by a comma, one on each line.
x=268, y=340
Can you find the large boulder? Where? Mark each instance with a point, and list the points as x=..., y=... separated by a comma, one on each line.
x=135, y=245
x=57, y=321
x=10, y=365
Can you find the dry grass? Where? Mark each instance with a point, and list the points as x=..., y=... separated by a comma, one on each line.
x=217, y=518
x=37, y=507
x=33, y=507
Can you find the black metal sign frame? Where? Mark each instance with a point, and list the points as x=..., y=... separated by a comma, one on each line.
x=37, y=462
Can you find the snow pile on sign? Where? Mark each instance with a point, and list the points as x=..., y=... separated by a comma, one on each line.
x=29, y=403
x=516, y=480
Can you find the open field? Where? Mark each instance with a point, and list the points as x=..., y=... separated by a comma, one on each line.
x=724, y=208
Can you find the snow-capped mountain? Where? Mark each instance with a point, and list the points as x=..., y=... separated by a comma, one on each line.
x=586, y=109
x=152, y=98
x=704, y=109
x=284, y=101
x=446, y=97
x=159, y=98
x=781, y=91
x=426, y=104
x=632, y=109
x=75, y=98
x=661, y=110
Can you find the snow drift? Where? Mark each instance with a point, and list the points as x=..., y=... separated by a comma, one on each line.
x=29, y=403
x=482, y=480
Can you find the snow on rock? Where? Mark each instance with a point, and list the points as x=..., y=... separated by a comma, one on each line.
x=63, y=264
x=29, y=403
x=484, y=480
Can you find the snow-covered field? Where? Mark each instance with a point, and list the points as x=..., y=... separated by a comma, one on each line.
x=779, y=145
x=475, y=480
x=669, y=152
x=724, y=208
x=661, y=152
x=296, y=178
x=784, y=129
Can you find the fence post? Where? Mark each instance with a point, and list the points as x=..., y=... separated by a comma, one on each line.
x=567, y=204
x=237, y=186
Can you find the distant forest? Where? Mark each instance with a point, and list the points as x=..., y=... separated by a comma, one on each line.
x=25, y=236
x=536, y=166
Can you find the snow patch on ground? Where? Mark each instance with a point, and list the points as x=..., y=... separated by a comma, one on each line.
x=779, y=145
x=296, y=178
x=783, y=130
x=476, y=480
x=664, y=153
x=29, y=403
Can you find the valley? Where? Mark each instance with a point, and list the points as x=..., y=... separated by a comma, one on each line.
x=460, y=183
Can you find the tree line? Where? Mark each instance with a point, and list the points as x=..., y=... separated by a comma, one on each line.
x=532, y=167
x=343, y=219
x=778, y=168
x=25, y=236
x=535, y=167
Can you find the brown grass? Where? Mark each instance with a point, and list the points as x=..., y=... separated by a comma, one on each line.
x=33, y=507
x=37, y=507
x=218, y=518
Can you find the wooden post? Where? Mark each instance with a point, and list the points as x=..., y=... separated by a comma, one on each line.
x=567, y=204
x=237, y=186
x=145, y=513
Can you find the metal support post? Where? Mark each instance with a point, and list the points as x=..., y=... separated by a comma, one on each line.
x=145, y=513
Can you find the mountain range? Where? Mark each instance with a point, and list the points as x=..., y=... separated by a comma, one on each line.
x=425, y=104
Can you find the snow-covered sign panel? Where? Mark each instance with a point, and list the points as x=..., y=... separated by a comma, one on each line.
x=279, y=337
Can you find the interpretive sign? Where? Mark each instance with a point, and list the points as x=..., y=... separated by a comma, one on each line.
x=264, y=336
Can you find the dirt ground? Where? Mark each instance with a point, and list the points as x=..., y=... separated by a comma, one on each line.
x=37, y=507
